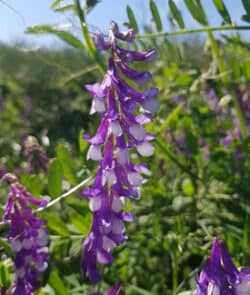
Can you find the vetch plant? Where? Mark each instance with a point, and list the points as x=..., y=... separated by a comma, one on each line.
x=220, y=276
x=28, y=237
x=120, y=132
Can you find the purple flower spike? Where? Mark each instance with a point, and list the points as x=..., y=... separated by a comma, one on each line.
x=220, y=276
x=28, y=239
x=121, y=130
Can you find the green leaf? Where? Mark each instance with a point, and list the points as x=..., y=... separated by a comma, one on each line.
x=197, y=11
x=56, y=224
x=57, y=284
x=4, y=276
x=138, y=290
x=188, y=187
x=171, y=49
x=65, y=7
x=66, y=163
x=219, y=4
x=90, y=4
x=246, y=4
x=80, y=222
x=192, y=143
x=172, y=117
x=34, y=185
x=6, y=246
x=132, y=19
x=246, y=18
x=83, y=144
x=55, y=4
x=55, y=178
x=183, y=79
x=156, y=15
x=65, y=36
x=176, y=14
x=181, y=202
x=75, y=246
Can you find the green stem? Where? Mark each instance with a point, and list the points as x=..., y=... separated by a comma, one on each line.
x=88, y=39
x=186, y=280
x=63, y=196
x=200, y=30
x=225, y=80
x=175, y=272
x=217, y=57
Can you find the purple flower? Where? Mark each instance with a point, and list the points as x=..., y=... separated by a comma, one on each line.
x=180, y=144
x=121, y=131
x=28, y=239
x=34, y=155
x=115, y=290
x=220, y=276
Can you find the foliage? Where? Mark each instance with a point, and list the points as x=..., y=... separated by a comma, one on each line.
x=198, y=186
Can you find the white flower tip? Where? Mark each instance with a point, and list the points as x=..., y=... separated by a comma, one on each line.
x=107, y=244
x=118, y=226
x=137, y=131
x=27, y=244
x=145, y=149
x=95, y=204
x=116, y=128
x=41, y=266
x=98, y=105
x=151, y=105
x=116, y=204
x=243, y=288
x=122, y=157
x=16, y=245
x=109, y=177
x=94, y=153
x=135, y=179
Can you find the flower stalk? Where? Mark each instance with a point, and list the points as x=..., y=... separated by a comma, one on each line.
x=28, y=237
x=124, y=111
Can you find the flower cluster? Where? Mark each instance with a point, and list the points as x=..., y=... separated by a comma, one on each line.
x=220, y=276
x=27, y=237
x=121, y=130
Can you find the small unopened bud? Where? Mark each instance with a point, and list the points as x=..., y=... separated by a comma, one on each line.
x=114, y=27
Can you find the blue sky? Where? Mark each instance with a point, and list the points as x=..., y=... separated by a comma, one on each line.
x=31, y=12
